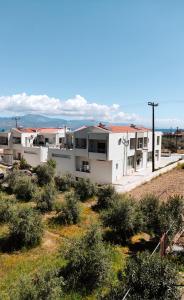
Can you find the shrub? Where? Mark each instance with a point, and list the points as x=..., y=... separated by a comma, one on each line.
x=26, y=227
x=106, y=195
x=147, y=277
x=149, y=207
x=85, y=189
x=70, y=210
x=23, y=164
x=24, y=188
x=64, y=183
x=46, y=198
x=5, y=209
x=88, y=262
x=45, y=173
x=170, y=215
x=45, y=285
x=12, y=178
x=123, y=217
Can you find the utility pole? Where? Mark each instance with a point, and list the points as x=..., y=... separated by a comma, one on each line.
x=153, y=133
x=16, y=119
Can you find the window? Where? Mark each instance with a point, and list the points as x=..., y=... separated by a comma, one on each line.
x=101, y=148
x=140, y=143
x=116, y=166
x=145, y=142
x=131, y=161
x=61, y=140
x=80, y=143
x=132, y=143
x=3, y=140
x=149, y=157
x=158, y=140
x=16, y=140
x=85, y=167
x=119, y=141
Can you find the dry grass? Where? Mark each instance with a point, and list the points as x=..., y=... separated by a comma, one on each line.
x=169, y=184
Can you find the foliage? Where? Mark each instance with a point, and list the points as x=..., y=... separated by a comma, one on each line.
x=64, y=183
x=12, y=178
x=123, y=217
x=45, y=172
x=52, y=163
x=70, y=210
x=5, y=209
x=23, y=188
x=23, y=164
x=147, y=277
x=85, y=189
x=149, y=206
x=47, y=285
x=170, y=215
x=26, y=227
x=46, y=198
x=106, y=195
x=88, y=262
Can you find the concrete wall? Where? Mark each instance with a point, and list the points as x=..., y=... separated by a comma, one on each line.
x=35, y=155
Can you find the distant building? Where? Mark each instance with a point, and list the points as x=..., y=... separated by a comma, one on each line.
x=31, y=143
x=106, y=154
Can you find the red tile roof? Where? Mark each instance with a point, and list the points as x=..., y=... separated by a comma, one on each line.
x=39, y=130
x=121, y=129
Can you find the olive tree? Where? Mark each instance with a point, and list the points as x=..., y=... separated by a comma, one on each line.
x=45, y=198
x=85, y=189
x=105, y=196
x=26, y=228
x=88, y=262
x=69, y=213
x=45, y=172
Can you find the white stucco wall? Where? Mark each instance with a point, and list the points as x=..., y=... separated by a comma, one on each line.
x=35, y=155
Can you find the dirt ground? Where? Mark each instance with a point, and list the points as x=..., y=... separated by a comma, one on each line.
x=165, y=185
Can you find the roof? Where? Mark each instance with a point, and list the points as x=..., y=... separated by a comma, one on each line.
x=121, y=129
x=38, y=130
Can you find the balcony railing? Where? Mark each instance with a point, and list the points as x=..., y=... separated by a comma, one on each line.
x=85, y=169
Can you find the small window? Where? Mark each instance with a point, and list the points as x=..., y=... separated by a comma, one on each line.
x=158, y=140
x=119, y=141
x=116, y=166
x=132, y=143
x=145, y=142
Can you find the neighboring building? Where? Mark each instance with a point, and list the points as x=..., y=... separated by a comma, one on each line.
x=106, y=154
x=31, y=143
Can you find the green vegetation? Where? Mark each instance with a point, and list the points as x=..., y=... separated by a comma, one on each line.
x=26, y=228
x=64, y=183
x=146, y=277
x=69, y=213
x=67, y=253
x=45, y=173
x=85, y=189
x=45, y=198
x=88, y=262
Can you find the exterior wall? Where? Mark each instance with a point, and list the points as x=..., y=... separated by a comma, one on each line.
x=35, y=155
x=65, y=160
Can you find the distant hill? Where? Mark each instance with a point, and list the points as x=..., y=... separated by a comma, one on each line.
x=31, y=120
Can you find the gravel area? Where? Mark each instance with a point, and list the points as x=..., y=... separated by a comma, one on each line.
x=165, y=185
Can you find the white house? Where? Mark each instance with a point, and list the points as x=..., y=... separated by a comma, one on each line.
x=32, y=143
x=106, y=154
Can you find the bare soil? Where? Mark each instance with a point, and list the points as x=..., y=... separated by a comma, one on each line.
x=165, y=185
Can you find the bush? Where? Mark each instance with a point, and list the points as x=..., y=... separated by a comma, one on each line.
x=26, y=227
x=45, y=173
x=85, y=189
x=46, y=198
x=64, y=183
x=147, y=277
x=149, y=207
x=70, y=210
x=24, y=165
x=106, y=195
x=123, y=217
x=47, y=285
x=88, y=262
x=5, y=209
x=24, y=188
x=170, y=215
x=12, y=178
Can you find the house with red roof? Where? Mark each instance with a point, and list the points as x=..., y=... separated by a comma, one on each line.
x=105, y=154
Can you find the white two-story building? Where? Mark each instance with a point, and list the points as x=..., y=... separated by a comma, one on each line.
x=31, y=143
x=106, y=154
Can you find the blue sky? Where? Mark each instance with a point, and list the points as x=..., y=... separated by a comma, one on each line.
x=109, y=52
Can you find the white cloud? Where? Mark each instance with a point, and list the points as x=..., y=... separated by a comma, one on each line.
x=77, y=107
